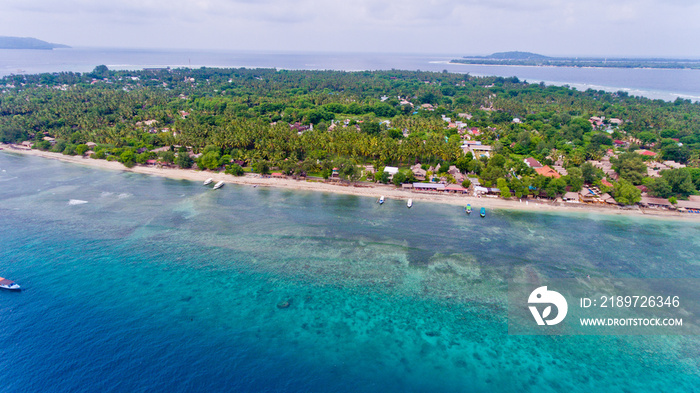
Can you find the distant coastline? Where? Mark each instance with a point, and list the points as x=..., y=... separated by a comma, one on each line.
x=537, y=60
x=360, y=189
x=27, y=43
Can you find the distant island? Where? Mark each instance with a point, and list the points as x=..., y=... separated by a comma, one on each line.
x=27, y=43
x=534, y=59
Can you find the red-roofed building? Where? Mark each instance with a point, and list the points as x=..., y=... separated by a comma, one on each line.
x=455, y=188
x=605, y=182
x=645, y=152
x=532, y=163
x=546, y=171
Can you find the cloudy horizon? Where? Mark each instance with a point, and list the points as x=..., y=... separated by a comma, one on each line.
x=620, y=28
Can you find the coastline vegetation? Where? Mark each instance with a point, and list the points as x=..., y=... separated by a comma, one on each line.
x=536, y=60
x=320, y=122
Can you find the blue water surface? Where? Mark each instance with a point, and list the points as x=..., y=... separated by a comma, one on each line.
x=135, y=283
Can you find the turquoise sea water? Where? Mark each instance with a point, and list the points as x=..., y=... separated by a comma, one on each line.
x=165, y=285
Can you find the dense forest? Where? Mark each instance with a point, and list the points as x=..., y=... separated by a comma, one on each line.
x=309, y=122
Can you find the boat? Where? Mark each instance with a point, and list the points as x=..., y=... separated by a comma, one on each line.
x=9, y=284
x=409, y=203
x=468, y=209
x=381, y=200
x=219, y=185
x=483, y=212
x=208, y=181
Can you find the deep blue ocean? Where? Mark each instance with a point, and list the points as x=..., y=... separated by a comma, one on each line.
x=135, y=283
x=665, y=84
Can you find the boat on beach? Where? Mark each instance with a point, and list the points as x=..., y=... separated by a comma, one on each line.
x=381, y=200
x=208, y=181
x=468, y=209
x=219, y=185
x=409, y=203
x=9, y=284
x=483, y=212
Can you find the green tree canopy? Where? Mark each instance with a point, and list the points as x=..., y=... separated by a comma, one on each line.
x=626, y=193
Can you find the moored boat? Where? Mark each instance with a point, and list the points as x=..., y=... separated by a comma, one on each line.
x=208, y=181
x=381, y=200
x=468, y=209
x=483, y=212
x=219, y=185
x=8, y=284
x=409, y=203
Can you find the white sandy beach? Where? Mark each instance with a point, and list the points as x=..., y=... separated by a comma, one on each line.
x=362, y=189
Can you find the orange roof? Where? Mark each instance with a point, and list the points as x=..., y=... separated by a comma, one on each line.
x=546, y=171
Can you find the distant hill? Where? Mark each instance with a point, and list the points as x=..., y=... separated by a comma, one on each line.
x=27, y=43
x=512, y=56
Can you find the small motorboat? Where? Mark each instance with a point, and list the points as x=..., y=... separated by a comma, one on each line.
x=483, y=212
x=468, y=209
x=381, y=200
x=9, y=284
x=219, y=185
x=409, y=203
x=208, y=181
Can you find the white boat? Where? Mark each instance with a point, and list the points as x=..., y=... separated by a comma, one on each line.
x=409, y=203
x=219, y=185
x=381, y=199
x=208, y=181
x=8, y=284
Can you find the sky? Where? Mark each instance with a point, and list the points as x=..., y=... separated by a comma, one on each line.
x=647, y=28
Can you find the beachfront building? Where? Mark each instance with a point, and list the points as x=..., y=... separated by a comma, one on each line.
x=418, y=172
x=690, y=206
x=655, y=203
x=391, y=170
x=455, y=189
x=571, y=197
x=608, y=199
x=479, y=190
x=428, y=186
x=590, y=195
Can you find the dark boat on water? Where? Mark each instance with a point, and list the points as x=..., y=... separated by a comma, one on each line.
x=9, y=284
x=483, y=212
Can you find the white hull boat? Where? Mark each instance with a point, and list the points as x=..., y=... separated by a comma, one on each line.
x=9, y=284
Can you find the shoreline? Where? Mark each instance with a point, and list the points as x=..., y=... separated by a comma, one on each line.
x=374, y=190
